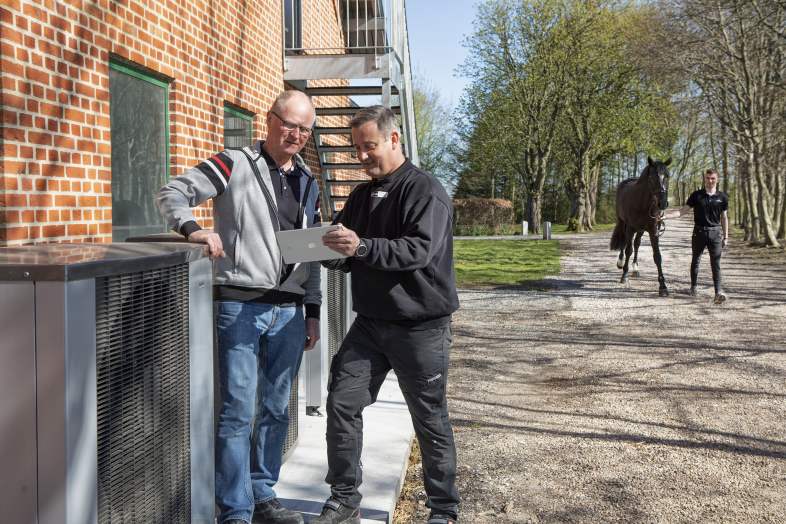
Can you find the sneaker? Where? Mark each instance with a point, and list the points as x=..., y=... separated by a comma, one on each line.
x=272, y=512
x=441, y=518
x=333, y=512
x=720, y=297
x=692, y=291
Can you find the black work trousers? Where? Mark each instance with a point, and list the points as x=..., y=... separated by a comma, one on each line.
x=712, y=240
x=420, y=359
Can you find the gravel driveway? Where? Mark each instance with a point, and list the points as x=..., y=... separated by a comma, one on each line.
x=592, y=401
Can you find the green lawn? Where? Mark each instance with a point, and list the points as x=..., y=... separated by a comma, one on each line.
x=563, y=228
x=504, y=262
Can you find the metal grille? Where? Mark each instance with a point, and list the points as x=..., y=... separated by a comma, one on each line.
x=336, y=307
x=292, y=429
x=142, y=368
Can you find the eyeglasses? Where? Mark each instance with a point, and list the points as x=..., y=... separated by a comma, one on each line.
x=291, y=126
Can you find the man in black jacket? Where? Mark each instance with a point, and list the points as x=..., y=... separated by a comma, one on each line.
x=396, y=235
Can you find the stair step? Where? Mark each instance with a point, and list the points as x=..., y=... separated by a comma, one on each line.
x=337, y=197
x=346, y=111
x=332, y=131
x=336, y=149
x=333, y=181
x=348, y=91
x=342, y=165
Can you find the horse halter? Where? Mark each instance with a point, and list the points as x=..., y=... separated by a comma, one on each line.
x=655, y=212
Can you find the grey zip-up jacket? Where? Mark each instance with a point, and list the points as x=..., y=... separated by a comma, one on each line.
x=246, y=219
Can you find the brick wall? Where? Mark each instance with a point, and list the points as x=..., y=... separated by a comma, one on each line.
x=54, y=59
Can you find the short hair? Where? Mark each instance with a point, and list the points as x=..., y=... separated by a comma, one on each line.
x=711, y=172
x=381, y=115
x=285, y=96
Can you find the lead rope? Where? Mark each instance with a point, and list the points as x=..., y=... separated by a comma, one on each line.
x=657, y=215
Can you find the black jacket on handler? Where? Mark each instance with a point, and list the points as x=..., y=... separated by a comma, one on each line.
x=404, y=291
x=405, y=219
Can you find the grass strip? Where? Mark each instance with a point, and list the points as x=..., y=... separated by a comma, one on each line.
x=504, y=262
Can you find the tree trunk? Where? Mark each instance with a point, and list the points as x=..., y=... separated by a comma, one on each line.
x=534, y=211
x=745, y=220
x=579, y=219
x=725, y=165
x=763, y=202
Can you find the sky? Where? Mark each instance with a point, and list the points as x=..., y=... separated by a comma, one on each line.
x=436, y=31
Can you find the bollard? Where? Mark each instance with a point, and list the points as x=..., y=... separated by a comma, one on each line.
x=524, y=228
x=546, y=230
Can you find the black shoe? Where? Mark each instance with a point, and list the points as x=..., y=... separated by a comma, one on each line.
x=272, y=512
x=441, y=518
x=334, y=512
x=692, y=291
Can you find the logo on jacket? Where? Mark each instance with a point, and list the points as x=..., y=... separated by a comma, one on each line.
x=379, y=194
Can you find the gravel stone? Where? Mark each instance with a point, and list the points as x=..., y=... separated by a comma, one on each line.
x=580, y=399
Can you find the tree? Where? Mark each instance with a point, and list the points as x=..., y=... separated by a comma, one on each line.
x=614, y=102
x=435, y=133
x=739, y=61
x=514, y=102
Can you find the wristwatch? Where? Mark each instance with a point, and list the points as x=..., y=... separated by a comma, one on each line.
x=362, y=249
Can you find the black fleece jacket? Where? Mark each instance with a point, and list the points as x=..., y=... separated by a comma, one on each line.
x=405, y=219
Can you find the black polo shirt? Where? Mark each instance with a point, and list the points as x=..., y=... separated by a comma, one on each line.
x=708, y=209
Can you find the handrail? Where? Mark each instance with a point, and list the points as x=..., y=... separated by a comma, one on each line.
x=367, y=27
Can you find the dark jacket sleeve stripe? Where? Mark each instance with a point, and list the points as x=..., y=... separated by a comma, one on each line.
x=211, y=175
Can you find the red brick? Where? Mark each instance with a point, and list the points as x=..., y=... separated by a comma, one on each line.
x=10, y=100
x=41, y=200
x=53, y=231
x=76, y=230
x=14, y=134
x=16, y=200
x=40, y=138
x=88, y=201
x=65, y=200
x=13, y=233
x=9, y=150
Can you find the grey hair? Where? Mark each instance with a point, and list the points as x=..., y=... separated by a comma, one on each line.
x=285, y=96
x=381, y=115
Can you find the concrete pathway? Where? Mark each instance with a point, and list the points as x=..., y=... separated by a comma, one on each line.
x=386, y=445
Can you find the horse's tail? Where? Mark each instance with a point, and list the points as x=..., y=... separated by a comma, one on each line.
x=618, y=237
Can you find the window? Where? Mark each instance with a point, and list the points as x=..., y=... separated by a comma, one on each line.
x=238, y=125
x=139, y=121
x=292, y=25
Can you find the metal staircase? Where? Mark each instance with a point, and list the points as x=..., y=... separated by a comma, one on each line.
x=365, y=62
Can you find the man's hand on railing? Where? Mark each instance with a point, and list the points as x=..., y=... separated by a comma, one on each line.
x=213, y=241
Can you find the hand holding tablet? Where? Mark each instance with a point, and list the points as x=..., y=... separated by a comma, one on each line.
x=305, y=245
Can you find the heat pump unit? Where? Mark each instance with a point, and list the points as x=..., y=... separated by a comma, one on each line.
x=106, y=384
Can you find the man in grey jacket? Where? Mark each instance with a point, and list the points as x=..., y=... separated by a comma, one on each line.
x=260, y=325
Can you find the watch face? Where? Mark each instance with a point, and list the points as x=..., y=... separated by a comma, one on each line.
x=361, y=250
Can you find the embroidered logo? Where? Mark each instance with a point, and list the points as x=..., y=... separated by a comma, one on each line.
x=379, y=194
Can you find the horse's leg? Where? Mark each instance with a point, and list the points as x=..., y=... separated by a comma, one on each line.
x=662, y=290
x=636, y=244
x=621, y=259
x=628, y=251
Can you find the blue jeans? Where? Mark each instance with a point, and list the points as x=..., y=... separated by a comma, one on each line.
x=259, y=351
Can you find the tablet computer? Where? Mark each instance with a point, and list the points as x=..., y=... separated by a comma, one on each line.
x=305, y=245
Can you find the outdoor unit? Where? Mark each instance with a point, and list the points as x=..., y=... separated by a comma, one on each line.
x=337, y=317
x=106, y=384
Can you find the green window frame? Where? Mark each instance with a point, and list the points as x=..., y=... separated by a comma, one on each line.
x=238, y=126
x=139, y=123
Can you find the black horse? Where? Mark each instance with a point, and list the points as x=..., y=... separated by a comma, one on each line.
x=640, y=205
